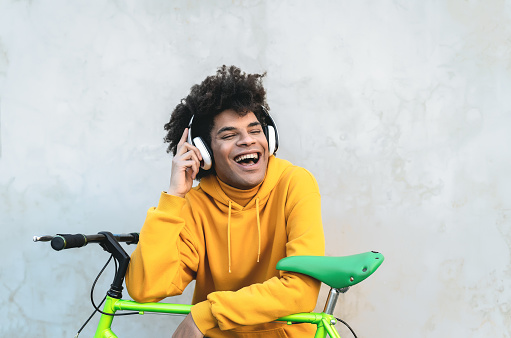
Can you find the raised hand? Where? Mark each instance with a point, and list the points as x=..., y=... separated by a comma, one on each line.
x=185, y=166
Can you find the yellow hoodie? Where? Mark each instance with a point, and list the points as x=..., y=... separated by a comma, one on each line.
x=231, y=250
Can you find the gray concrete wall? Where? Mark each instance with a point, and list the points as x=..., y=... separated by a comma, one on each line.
x=399, y=108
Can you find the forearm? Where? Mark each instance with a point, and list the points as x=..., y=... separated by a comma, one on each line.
x=257, y=303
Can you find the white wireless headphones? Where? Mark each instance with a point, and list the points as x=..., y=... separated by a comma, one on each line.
x=207, y=154
x=269, y=130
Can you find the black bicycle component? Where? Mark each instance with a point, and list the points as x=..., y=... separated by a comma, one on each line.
x=349, y=327
x=111, y=245
x=135, y=238
x=108, y=242
x=68, y=241
x=97, y=307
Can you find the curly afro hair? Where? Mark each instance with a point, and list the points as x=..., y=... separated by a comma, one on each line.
x=230, y=88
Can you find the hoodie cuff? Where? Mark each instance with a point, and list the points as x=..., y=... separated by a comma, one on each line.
x=170, y=202
x=203, y=317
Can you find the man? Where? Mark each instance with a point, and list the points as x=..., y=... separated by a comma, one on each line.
x=249, y=210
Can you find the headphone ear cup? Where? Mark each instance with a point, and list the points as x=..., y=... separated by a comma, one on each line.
x=271, y=132
x=272, y=138
x=207, y=157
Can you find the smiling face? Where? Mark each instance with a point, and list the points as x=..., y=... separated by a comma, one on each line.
x=240, y=149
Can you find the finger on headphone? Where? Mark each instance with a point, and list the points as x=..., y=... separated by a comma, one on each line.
x=183, y=148
x=183, y=137
x=192, y=167
x=195, y=169
x=192, y=148
x=191, y=156
x=198, y=153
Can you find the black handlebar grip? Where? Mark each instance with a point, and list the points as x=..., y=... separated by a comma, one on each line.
x=68, y=241
x=135, y=238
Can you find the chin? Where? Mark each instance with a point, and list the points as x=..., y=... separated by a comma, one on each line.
x=248, y=183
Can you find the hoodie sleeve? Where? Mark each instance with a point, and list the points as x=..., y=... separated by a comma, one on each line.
x=278, y=296
x=165, y=259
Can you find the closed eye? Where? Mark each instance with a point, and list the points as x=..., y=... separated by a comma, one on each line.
x=228, y=136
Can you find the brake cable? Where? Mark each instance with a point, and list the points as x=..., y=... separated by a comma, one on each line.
x=96, y=307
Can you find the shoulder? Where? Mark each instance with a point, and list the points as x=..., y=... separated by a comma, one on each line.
x=196, y=195
x=296, y=177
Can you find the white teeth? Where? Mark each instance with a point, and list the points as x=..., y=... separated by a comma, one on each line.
x=246, y=157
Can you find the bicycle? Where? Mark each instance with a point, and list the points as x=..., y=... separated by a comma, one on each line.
x=340, y=273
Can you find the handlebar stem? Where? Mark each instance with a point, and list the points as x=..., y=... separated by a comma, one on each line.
x=111, y=245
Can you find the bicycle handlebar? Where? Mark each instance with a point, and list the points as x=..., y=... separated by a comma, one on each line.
x=68, y=241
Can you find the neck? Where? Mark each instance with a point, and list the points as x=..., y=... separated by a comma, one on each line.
x=240, y=196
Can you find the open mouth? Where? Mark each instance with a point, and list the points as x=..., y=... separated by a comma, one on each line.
x=247, y=159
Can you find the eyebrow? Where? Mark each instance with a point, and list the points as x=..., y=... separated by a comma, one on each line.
x=253, y=124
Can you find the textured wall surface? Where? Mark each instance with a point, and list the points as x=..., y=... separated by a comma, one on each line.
x=399, y=108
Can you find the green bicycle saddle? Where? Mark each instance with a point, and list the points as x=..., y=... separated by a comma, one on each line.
x=336, y=272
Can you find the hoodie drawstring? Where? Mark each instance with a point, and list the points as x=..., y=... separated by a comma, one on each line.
x=258, y=230
x=229, y=233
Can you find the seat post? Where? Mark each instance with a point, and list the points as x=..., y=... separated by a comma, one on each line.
x=331, y=301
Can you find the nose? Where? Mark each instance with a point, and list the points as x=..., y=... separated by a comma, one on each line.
x=246, y=139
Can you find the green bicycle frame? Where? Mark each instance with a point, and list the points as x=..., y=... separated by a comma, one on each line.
x=113, y=305
x=323, y=321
